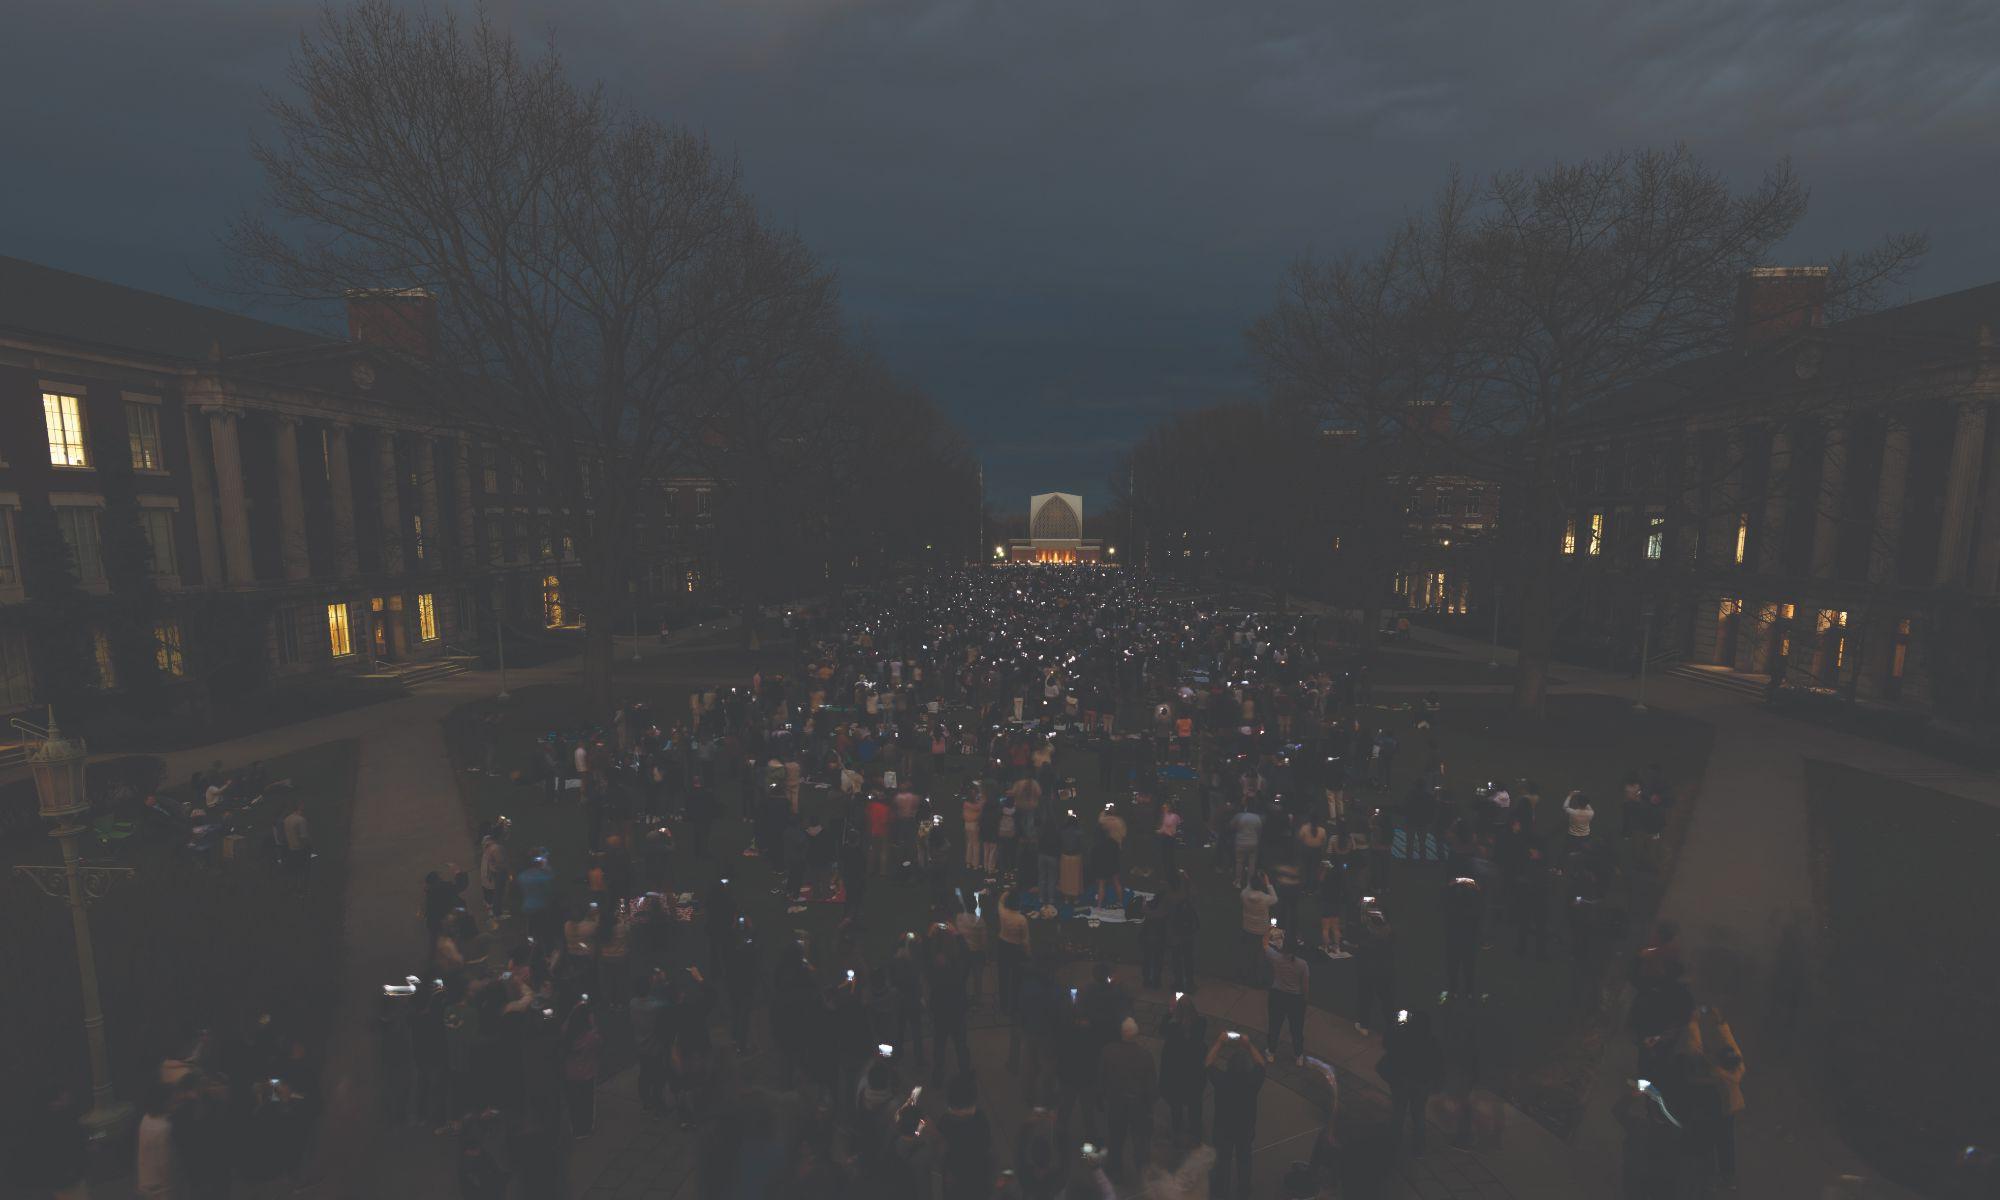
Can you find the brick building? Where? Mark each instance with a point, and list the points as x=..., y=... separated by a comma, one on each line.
x=297, y=475
x=1820, y=503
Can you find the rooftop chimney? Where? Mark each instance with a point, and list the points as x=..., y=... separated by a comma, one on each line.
x=402, y=319
x=1774, y=302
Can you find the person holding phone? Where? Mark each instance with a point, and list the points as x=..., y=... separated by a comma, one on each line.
x=1236, y=1073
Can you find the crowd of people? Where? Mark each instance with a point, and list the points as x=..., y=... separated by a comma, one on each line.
x=925, y=744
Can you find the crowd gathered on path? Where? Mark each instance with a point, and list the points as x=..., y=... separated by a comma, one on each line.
x=920, y=750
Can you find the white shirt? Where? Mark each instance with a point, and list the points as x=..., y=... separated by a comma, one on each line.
x=1579, y=819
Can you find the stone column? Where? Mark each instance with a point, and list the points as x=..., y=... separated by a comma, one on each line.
x=427, y=504
x=463, y=465
x=1724, y=500
x=1986, y=538
x=340, y=492
x=229, y=496
x=1832, y=488
x=1961, y=486
x=291, y=502
x=1777, y=476
x=389, y=489
x=1887, y=536
x=202, y=482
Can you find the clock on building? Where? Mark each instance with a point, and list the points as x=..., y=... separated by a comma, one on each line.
x=363, y=372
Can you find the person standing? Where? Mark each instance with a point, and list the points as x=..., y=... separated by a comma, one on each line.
x=647, y=1045
x=1183, y=919
x=972, y=810
x=580, y=1047
x=1236, y=1072
x=1464, y=913
x=945, y=979
x=1247, y=828
x=1128, y=1081
x=1291, y=982
x=966, y=1161
x=155, y=1156
x=1374, y=969
x=1413, y=1067
x=1183, y=1078
x=1257, y=898
x=1168, y=835
x=1011, y=949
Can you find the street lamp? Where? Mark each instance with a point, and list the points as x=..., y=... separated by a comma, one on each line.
x=57, y=765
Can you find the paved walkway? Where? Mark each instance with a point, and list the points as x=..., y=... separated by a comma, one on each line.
x=408, y=819
x=633, y=1155
x=1742, y=877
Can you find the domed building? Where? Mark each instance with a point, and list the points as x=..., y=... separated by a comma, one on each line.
x=1055, y=533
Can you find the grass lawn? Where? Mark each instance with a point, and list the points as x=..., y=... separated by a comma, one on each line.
x=1588, y=743
x=178, y=945
x=1911, y=967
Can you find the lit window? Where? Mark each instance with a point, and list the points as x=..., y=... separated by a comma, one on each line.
x=693, y=580
x=1901, y=657
x=427, y=622
x=1742, y=536
x=1569, y=536
x=81, y=532
x=417, y=524
x=64, y=417
x=167, y=649
x=17, y=681
x=1656, y=536
x=142, y=427
x=1596, y=545
x=100, y=652
x=490, y=470
x=158, y=524
x=337, y=632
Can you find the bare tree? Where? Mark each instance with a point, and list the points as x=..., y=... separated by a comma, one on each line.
x=1341, y=342
x=597, y=278
x=1548, y=297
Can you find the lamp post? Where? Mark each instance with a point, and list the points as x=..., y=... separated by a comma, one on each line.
x=58, y=767
x=1645, y=651
x=500, y=626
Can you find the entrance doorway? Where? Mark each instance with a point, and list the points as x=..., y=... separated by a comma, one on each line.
x=1727, y=620
x=378, y=628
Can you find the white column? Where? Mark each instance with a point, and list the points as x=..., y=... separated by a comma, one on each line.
x=340, y=491
x=427, y=505
x=1961, y=485
x=390, y=493
x=229, y=496
x=1777, y=488
x=466, y=552
x=1886, y=538
x=201, y=481
x=1832, y=487
x=291, y=502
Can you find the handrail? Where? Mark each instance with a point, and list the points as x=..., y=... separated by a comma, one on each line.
x=28, y=727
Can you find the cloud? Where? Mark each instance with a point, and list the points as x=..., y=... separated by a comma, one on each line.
x=1056, y=216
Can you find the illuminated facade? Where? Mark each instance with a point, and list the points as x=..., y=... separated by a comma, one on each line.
x=1055, y=534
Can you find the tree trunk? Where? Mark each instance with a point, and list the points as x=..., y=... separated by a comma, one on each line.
x=1531, y=685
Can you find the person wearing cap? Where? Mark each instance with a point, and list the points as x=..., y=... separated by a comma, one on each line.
x=1128, y=1082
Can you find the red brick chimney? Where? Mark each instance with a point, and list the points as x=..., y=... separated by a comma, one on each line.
x=402, y=319
x=1774, y=302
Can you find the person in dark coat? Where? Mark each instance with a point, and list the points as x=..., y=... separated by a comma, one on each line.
x=1183, y=1079
x=1236, y=1072
x=966, y=1161
x=1412, y=1065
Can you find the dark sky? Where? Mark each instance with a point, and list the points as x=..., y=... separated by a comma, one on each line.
x=1059, y=215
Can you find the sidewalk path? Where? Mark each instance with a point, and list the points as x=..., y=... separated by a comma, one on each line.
x=1743, y=873
x=634, y=1156
x=408, y=819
